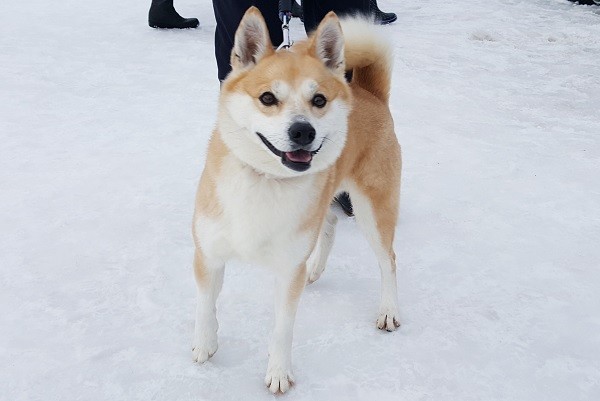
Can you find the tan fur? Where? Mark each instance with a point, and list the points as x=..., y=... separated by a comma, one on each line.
x=287, y=66
x=297, y=285
x=371, y=157
x=370, y=160
x=200, y=272
x=206, y=199
x=313, y=219
x=370, y=60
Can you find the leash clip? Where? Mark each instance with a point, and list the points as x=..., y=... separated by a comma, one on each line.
x=285, y=28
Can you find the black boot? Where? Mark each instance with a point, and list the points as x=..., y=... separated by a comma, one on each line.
x=163, y=15
x=587, y=2
x=380, y=17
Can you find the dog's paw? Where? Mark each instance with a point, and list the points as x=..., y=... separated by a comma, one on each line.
x=388, y=319
x=279, y=380
x=204, y=349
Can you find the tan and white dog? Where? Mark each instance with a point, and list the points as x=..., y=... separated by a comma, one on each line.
x=291, y=133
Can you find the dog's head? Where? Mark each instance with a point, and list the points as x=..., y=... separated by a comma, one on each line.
x=285, y=113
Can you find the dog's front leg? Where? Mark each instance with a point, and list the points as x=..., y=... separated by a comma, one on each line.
x=209, y=278
x=288, y=287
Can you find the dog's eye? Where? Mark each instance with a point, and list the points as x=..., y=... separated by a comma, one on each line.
x=319, y=101
x=268, y=99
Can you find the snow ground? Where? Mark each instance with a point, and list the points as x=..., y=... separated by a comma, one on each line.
x=103, y=126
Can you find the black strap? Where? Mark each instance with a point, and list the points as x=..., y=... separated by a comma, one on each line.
x=285, y=9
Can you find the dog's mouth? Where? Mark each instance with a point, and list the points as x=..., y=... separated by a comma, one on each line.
x=297, y=160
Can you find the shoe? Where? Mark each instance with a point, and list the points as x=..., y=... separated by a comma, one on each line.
x=382, y=18
x=163, y=15
x=385, y=18
x=343, y=199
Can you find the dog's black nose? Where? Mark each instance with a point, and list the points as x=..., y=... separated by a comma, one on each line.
x=302, y=133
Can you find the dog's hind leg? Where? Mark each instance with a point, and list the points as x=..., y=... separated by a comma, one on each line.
x=209, y=278
x=376, y=212
x=289, y=285
x=315, y=265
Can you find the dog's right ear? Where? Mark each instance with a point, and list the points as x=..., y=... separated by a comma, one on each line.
x=252, y=41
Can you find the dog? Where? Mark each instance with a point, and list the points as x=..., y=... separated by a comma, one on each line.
x=291, y=133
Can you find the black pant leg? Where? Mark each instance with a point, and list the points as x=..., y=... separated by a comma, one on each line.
x=316, y=10
x=228, y=14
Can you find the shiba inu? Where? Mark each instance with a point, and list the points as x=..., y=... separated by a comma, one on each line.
x=291, y=133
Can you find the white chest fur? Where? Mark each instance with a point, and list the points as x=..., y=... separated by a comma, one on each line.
x=262, y=217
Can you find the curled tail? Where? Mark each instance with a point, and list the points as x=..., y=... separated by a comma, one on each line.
x=370, y=55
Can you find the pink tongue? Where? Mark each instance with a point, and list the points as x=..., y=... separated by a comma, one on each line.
x=299, y=156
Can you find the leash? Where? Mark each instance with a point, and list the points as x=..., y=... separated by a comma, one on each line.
x=285, y=15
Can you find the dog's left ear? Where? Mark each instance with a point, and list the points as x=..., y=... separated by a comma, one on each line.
x=252, y=41
x=328, y=43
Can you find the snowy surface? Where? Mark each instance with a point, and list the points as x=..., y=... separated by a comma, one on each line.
x=103, y=127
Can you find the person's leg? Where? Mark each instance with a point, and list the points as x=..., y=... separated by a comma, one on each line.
x=315, y=10
x=228, y=14
x=162, y=14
